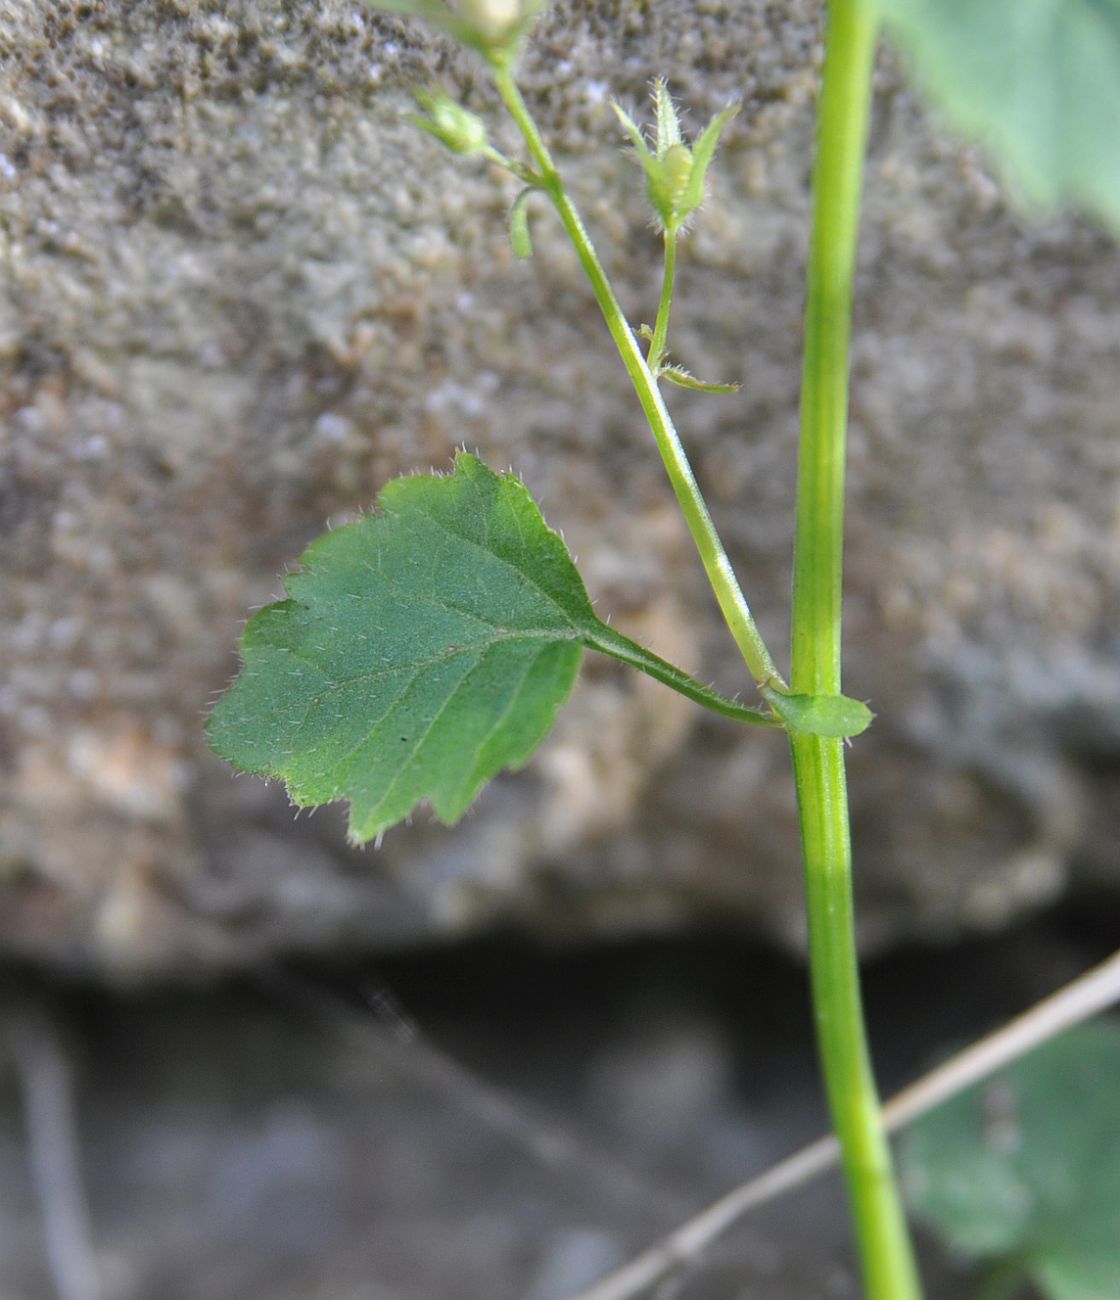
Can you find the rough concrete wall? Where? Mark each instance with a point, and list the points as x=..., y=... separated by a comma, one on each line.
x=241, y=293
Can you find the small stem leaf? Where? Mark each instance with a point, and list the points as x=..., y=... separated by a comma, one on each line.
x=683, y=379
x=520, y=239
x=835, y=717
x=420, y=652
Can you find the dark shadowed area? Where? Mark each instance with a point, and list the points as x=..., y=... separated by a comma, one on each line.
x=495, y=1120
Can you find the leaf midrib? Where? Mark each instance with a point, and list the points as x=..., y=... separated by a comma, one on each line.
x=427, y=731
x=478, y=648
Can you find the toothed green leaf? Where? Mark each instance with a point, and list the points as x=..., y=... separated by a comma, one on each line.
x=421, y=651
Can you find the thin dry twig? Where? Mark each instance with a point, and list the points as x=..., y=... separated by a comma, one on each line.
x=52, y=1134
x=1084, y=997
x=397, y=1043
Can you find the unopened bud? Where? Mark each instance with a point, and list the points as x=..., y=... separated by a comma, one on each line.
x=453, y=125
x=493, y=18
x=675, y=173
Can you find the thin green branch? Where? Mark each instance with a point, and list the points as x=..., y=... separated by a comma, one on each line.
x=732, y=602
x=511, y=165
x=885, y=1252
x=657, y=346
x=608, y=641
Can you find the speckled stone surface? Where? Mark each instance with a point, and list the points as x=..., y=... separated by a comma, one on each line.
x=240, y=293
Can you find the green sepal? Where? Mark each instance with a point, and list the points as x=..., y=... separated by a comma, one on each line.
x=703, y=151
x=631, y=129
x=665, y=113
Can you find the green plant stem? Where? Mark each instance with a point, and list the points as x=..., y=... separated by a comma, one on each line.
x=886, y=1255
x=656, y=357
x=732, y=602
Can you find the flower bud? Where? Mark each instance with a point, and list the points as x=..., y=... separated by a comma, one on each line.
x=453, y=125
x=496, y=28
x=675, y=173
x=493, y=18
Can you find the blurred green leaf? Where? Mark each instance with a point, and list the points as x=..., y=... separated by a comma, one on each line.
x=1036, y=82
x=1026, y=1167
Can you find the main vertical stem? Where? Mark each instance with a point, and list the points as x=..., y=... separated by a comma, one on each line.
x=885, y=1251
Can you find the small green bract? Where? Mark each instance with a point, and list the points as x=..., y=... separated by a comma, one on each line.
x=834, y=717
x=421, y=651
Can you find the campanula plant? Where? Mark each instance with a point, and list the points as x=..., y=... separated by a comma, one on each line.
x=429, y=646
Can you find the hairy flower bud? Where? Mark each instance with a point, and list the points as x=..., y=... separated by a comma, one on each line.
x=675, y=173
